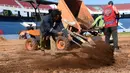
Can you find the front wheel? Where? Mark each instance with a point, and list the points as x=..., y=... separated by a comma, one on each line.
x=31, y=44
x=62, y=43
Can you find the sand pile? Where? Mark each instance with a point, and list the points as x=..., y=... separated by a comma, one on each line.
x=100, y=55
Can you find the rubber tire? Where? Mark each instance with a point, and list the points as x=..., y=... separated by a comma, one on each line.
x=67, y=42
x=33, y=46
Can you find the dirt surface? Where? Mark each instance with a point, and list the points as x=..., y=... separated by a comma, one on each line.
x=15, y=59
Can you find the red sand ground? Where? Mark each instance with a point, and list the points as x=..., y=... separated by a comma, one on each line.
x=14, y=59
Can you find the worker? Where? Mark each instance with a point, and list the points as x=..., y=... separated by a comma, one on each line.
x=99, y=24
x=111, y=17
x=51, y=26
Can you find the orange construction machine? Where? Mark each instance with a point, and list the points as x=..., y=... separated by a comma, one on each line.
x=75, y=15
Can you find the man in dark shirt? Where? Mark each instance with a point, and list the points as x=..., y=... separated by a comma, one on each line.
x=51, y=26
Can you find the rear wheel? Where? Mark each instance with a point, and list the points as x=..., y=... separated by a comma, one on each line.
x=62, y=43
x=31, y=44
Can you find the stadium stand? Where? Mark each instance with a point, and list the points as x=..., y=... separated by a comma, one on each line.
x=9, y=2
x=26, y=5
x=92, y=8
x=101, y=7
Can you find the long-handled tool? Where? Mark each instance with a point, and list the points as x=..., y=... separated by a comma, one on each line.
x=84, y=42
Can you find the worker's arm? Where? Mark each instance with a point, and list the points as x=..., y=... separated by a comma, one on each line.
x=117, y=13
x=60, y=25
x=65, y=32
x=52, y=30
x=115, y=9
x=96, y=20
x=47, y=28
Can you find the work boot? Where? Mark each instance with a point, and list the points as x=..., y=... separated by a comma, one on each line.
x=42, y=49
x=117, y=50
